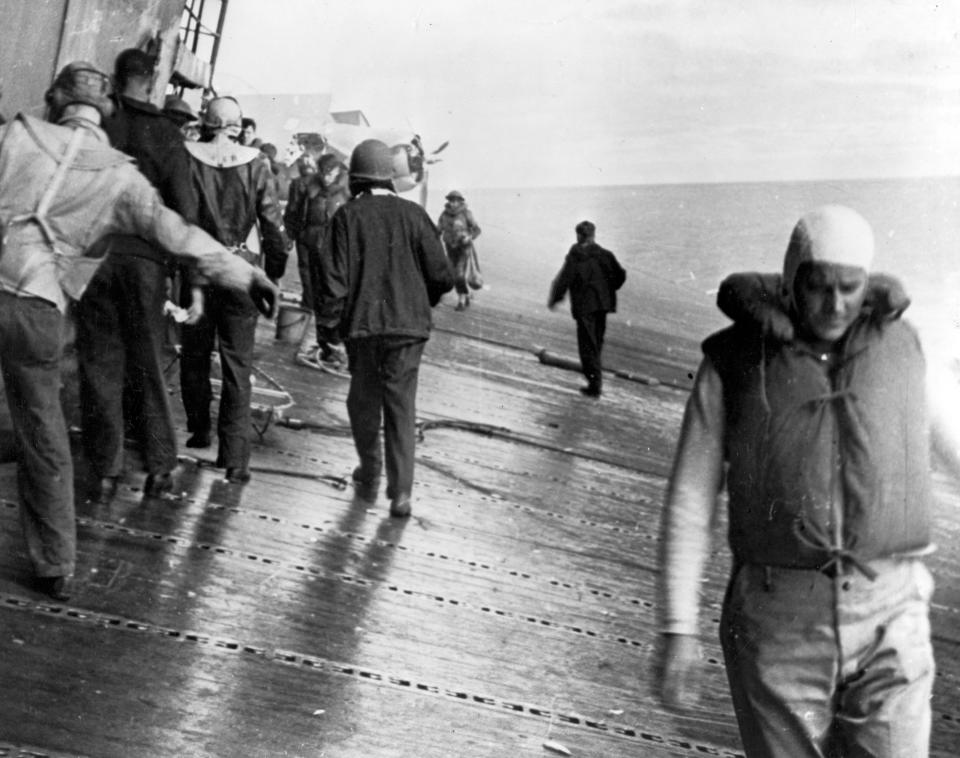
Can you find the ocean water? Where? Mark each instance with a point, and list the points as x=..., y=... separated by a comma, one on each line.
x=678, y=241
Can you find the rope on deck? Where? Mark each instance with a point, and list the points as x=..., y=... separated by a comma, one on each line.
x=337, y=482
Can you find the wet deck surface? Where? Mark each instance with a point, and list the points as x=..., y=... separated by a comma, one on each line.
x=288, y=618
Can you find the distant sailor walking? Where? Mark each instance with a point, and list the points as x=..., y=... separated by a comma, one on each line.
x=592, y=275
x=459, y=229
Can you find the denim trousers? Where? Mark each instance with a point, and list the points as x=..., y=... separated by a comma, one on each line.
x=31, y=348
x=383, y=386
x=830, y=665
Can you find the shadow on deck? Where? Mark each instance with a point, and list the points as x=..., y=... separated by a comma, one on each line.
x=288, y=618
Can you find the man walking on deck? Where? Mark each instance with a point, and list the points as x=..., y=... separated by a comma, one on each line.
x=592, y=275
x=62, y=187
x=812, y=408
x=386, y=269
x=120, y=324
x=236, y=193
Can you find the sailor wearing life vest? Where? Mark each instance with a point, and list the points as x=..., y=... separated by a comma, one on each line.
x=814, y=402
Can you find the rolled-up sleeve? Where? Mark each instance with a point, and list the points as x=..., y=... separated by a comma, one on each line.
x=691, y=499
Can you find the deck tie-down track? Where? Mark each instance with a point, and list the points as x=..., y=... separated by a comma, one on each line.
x=320, y=665
x=592, y=593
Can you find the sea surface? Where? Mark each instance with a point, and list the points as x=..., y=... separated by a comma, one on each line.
x=678, y=241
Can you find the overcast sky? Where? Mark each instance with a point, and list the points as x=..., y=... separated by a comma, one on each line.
x=573, y=92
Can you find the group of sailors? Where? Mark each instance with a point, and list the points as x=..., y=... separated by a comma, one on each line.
x=810, y=409
x=110, y=209
x=96, y=228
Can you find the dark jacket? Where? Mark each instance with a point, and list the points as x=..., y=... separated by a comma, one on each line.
x=319, y=206
x=386, y=270
x=592, y=275
x=140, y=130
x=234, y=196
x=804, y=440
x=294, y=215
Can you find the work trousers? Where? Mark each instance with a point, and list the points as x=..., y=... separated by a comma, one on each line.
x=304, y=268
x=459, y=258
x=31, y=349
x=383, y=386
x=314, y=261
x=830, y=666
x=120, y=335
x=591, y=327
x=231, y=318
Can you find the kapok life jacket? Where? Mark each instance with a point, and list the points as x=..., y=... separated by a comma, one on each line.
x=806, y=441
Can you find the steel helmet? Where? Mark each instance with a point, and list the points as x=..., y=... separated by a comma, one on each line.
x=178, y=109
x=223, y=113
x=371, y=160
x=80, y=83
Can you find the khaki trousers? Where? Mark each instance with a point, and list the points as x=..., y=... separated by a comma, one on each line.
x=830, y=666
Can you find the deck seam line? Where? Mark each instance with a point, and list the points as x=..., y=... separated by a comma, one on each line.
x=360, y=673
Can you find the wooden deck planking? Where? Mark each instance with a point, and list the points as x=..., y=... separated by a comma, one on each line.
x=461, y=632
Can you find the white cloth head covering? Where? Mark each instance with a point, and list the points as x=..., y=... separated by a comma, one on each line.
x=828, y=234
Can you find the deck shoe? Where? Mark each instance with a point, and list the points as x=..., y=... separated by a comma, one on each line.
x=199, y=439
x=400, y=506
x=333, y=359
x=366, y=488
x=58, y=587
x=107, y=490
x=157, y=484
x=238, y=474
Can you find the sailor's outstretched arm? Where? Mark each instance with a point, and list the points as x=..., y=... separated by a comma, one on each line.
x=141, y=212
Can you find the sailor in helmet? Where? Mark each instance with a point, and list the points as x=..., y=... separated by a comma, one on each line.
x=236, y=196
x=384, y=272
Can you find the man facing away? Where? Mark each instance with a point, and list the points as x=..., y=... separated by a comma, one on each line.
x=182, y=115
x=120, y=326
x=822, y=425
x=62, y=187
x=236, y=192
x=592, y=275
x=385, y=271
